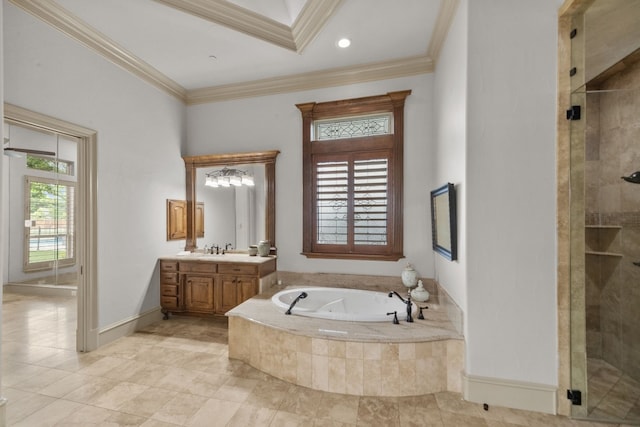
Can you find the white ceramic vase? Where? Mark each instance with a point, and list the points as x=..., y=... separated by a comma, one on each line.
x=264, y=247
x=420, y=294
x=409, y=276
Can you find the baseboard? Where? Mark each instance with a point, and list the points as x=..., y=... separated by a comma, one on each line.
x=510, y=394
x=3, y=411
x=128, y=326
x=43, y=290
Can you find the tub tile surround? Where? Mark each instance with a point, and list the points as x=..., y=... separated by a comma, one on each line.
x=354, y=358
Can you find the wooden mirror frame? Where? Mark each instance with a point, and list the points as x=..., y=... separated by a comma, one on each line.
x=267, y=158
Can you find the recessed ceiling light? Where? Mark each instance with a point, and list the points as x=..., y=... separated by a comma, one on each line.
x=344, y=43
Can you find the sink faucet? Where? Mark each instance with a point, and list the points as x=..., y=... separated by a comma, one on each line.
x=227, y=247
x=407, y=302
x=217, y=249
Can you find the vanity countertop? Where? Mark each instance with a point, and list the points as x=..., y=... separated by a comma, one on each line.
x=229, y=257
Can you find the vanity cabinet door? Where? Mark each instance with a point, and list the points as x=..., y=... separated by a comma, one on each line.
x=176, y=215
x=234, y=290
x=248, y=287
x=199, y=293
x=227, y=295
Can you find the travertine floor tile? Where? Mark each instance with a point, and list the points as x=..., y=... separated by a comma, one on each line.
x=176, y=373
x=214, y=413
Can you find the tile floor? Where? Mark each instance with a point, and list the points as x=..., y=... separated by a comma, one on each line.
x=612, y=394
x=176, y=373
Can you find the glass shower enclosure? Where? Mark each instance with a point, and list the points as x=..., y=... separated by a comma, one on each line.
x=605, y=221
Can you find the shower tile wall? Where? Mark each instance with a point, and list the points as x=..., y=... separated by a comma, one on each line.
x=613, y=281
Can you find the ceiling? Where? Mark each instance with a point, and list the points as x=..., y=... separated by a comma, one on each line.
x=211, y=50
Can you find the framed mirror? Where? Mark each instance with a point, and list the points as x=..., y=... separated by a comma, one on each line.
x=444, y=222
x=196, y=168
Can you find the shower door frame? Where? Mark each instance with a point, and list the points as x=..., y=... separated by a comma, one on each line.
x=571, y=264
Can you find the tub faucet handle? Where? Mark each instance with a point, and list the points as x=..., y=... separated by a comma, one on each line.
x=420, y=315
x=395, y=317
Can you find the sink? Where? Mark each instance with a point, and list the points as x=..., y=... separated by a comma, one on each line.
x=228, y=257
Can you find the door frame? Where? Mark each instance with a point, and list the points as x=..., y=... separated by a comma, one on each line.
x=87, y=230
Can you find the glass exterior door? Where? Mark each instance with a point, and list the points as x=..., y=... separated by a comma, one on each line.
x=41, y=209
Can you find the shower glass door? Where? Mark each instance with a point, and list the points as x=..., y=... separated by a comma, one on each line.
x=605, y=246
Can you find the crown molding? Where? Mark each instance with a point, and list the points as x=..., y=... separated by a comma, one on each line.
x=63, y=20
x=237, y=18
x=308, y=24
x=443, y=22
x=313, y=80
x=311, y=20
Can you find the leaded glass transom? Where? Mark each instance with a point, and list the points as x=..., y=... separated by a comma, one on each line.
x=352, y=127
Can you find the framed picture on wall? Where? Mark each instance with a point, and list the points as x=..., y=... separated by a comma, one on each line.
x=444, y=221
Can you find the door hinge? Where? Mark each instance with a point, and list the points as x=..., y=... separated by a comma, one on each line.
x=575, y=396
x=573, y=33
x=573, y=113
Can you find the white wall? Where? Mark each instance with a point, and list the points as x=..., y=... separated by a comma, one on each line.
x=274, y=122
x=3, y=402
x=450, y=112
x=510, y=190
x=140, y=134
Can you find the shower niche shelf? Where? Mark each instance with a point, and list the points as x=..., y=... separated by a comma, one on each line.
x=603, y=240
x=612, y=254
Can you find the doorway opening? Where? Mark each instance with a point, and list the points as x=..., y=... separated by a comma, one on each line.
x=49, y=197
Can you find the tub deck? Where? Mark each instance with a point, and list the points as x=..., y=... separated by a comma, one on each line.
x=436, y=326
x=357, y=358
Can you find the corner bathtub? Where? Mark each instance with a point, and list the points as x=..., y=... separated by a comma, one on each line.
x=353, y=305
x=366, y=357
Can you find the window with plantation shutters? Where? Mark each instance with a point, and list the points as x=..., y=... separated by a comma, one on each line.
x=352, y=178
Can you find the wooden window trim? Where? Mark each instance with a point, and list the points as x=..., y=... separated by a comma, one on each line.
x=391, y=102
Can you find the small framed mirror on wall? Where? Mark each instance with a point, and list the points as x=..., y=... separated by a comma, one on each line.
x=444, y=221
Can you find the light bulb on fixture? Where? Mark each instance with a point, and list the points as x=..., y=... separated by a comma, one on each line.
x=224, y=181
x=248, y=180
x=235, y=180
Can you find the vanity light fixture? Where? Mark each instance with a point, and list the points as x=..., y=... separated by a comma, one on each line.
x=227, y=177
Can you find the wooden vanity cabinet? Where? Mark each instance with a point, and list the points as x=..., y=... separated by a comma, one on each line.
x=170, y=289
x=207, y=287
x=198, y=293
x=235, y=290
